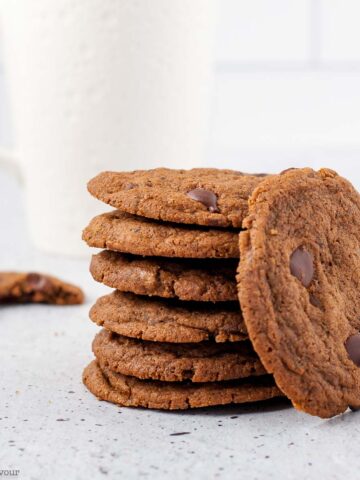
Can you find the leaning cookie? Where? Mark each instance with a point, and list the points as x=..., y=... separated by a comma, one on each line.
x=173, y=321
x=202, y=196
x=127, y=233
x=18, y=287
x=131, y=392
x=299, y=283
x=204, y=281
x=170, y=362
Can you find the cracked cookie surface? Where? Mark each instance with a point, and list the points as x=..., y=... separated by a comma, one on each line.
x=201, y=362
x=130, y=392
x=127, y=233
x=206, y=281
x=174, y=195
x=173, y=321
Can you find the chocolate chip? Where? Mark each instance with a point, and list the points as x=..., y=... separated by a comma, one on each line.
x=315, y=301
x=36, y=281
x=207, y=198
x=354, y=409
x=129, y=186
x=352, y=346
x=302, y=266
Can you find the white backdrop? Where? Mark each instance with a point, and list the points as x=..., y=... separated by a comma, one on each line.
x=287, y=75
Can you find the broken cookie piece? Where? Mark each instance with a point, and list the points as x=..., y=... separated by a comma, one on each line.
x=17, y=287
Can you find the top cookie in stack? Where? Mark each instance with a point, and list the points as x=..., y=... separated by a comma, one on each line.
x=201, y=196
x=173, y=236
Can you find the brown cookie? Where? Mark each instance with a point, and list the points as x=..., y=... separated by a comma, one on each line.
x=206, y=280
x=127, y=233
x=131, y=392
x=202, y=196
x=299, y=280
x=18, y=287
x=171, y=362
x=172, y=321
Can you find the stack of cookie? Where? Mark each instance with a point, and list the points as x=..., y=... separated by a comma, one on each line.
x=173, y=335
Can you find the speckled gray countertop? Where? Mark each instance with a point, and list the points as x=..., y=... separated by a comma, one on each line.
x=52, y=428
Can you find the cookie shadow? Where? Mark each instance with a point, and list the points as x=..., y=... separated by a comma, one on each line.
x=264, y=406
x=345, y=418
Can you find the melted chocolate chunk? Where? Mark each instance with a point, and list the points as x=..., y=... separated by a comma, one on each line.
x=352, y=346
x=129, y=186
x=302, y=266
x=36, y=282
x=315, y=301
x=207, y=198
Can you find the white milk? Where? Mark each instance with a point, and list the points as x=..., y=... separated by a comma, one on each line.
x=102, y=85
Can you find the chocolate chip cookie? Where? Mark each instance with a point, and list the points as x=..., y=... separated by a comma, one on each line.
x=127, y=233
x=299, y=283
x=202, y=196
x=16, y=287
x=202, y=362
x=173, y=321
x=131, y=392
x=206, y=280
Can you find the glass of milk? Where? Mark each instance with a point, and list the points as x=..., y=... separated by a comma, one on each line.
x=102, y=85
